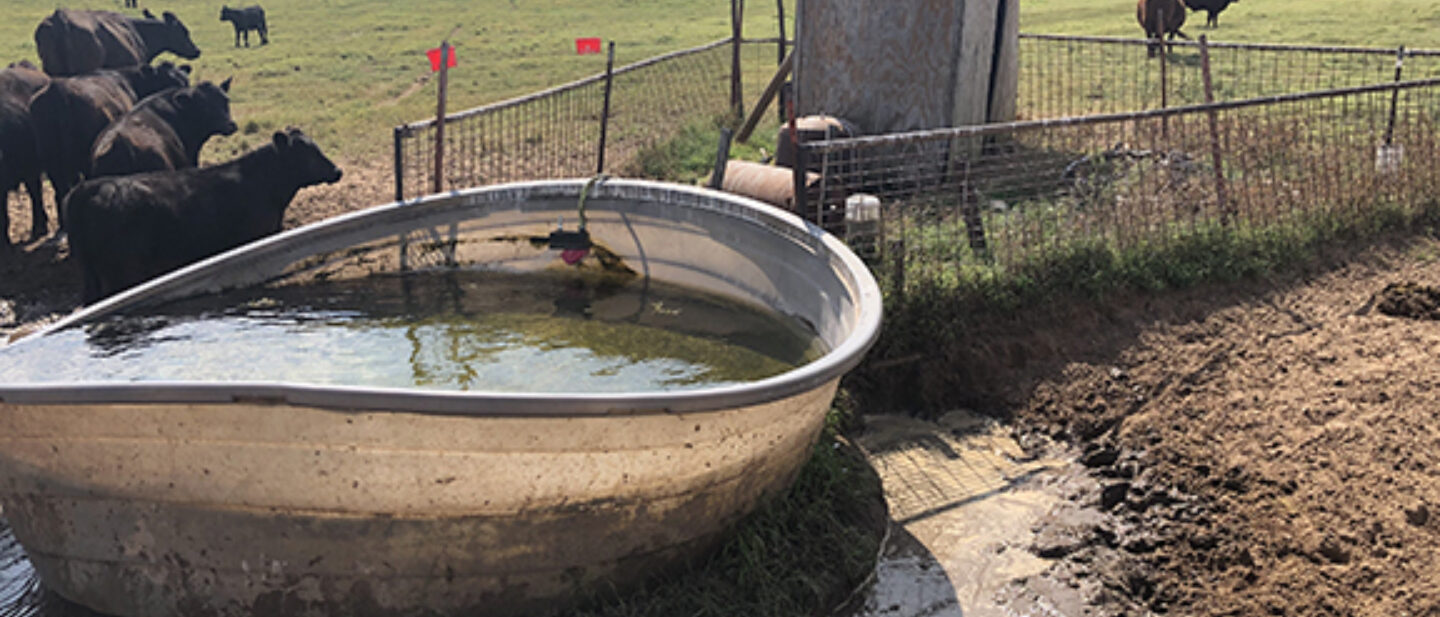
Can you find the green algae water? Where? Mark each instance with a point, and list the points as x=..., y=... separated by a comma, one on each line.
x=444, y=330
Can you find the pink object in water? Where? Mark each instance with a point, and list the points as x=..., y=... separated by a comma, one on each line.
x=573, y=256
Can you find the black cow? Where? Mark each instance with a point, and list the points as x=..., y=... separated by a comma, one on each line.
x=21, y=80
x=127, y=229
x=1211, y=7
x=163, y=131
x=245, y=20
x=19, y=163
x=72, y=42
x=72, y=111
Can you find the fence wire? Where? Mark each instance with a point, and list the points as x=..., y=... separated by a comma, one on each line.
x=1077, y=76
x=1028, y=195
x=1115, y=150
x=555, y=133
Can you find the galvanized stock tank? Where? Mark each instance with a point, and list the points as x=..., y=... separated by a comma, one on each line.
x=205, y=498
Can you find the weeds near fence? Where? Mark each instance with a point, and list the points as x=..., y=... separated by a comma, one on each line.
x=995, y=219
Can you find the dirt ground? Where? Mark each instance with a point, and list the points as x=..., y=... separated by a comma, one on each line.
x=1261, y=449
x=1265, y=449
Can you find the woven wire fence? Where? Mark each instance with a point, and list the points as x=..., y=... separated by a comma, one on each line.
x=1026, y=196
x=555, y=133
x=1077, y=75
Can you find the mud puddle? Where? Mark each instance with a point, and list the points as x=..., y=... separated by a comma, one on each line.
x=964, y=500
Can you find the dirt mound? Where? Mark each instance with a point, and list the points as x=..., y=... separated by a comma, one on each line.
x=1409, y=300
x=1277, y=456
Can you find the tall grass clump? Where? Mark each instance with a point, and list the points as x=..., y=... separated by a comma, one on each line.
x=802, y=553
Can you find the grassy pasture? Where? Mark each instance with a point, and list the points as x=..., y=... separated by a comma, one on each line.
x=1380, y=23
x=348, y=70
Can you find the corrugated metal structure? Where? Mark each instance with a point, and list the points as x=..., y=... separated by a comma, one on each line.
x=904, y=65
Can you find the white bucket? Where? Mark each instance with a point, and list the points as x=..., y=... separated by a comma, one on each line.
x=1388, y=158
x=862, y=217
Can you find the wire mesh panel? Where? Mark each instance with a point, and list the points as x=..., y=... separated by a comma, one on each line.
x=1028, y=195
x=556, y=133
x=1076, y=76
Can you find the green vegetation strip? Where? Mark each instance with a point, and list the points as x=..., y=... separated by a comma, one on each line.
x=802, y=553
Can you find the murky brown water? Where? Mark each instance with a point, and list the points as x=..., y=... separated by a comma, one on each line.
x=964, y=499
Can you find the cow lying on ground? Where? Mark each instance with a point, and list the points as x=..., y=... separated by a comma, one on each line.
x=163, y=131
x=19, y=163
x=1160, y=18
x=72, y=42
x=245, y=20
x=1211, y=7
x=127, y=229
x=72, y=111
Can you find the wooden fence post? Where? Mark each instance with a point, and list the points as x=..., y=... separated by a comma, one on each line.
x=1226, y=211
x=780, y=8
x=722, y=156
x=1164, y=95
x=737, y=16
x=970, y=212
x=1394, y=96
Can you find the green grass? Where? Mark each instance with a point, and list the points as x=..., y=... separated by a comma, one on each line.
x=1380, y=23
x=799, y=554
x=343, y=70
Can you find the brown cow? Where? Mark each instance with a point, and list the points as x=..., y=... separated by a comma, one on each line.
x=72, y=42
x=1160, y=18
x=72, y=111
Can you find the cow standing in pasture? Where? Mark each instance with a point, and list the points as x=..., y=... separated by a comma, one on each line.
x=73, y=42
x=1160, y=18
x=245, y=20
x=128, y=229
x=71, y=112
x=1211, y=7
x=163, y=131
x=19, y=163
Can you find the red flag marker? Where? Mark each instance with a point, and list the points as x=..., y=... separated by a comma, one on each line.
x=434, y=56
x=587, y=45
